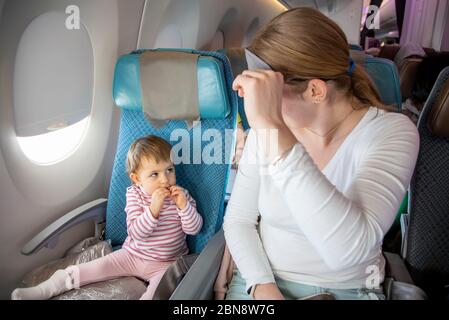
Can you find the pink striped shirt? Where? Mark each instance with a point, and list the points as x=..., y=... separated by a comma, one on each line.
x=162, y=239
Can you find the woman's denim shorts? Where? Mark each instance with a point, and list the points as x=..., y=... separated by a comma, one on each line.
x=294, y=291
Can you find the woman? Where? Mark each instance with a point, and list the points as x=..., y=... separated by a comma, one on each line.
x=328, y=191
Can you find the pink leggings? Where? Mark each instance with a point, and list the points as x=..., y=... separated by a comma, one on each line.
x=120, y=263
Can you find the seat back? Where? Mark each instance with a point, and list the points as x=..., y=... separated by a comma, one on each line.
x=409, y=50
x=205, y=182
x=427, y=249
x=237, y=59
x=389, y=51
x=384, y=74
x=407, y=75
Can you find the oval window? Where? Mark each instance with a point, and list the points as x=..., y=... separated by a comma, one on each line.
x=53, y=88
x=50, y=148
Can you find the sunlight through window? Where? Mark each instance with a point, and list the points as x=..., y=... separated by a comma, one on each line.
x=53, y=147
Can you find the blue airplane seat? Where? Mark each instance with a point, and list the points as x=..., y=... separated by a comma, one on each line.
x=237, y=59
x=425, y=227
x=385, y=76
x=205, y=182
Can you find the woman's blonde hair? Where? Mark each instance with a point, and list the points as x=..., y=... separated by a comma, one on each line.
x=304, y=44
x=150, y=148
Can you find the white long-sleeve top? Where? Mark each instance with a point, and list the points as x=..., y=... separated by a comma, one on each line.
x=322, y=228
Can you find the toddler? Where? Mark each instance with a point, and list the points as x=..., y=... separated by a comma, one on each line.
x=159, y=214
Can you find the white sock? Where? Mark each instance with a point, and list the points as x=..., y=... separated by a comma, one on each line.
x=61, y=281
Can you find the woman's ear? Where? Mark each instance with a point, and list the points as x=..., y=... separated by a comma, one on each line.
x=316, y=91
x=134, y=178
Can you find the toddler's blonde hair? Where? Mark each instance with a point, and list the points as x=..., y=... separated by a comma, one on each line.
x=151, y=148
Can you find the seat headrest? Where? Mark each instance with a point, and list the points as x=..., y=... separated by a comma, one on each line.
x=438, y=118
x=384, y=74
x=409, y=50
x=169, y=78
x=359, y=57
x=407, y=75
x=389, y=51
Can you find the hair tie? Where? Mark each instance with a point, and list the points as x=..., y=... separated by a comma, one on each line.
x=352, y=66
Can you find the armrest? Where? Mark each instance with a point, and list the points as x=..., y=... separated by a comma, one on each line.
x=94, y=210
x=396, y=268
x=198, y=283
x=398, y=284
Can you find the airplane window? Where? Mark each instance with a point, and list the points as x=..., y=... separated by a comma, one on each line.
x=52, y=87
x=53, y=147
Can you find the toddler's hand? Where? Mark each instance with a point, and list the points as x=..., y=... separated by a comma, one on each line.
x=157, y=201
x=179, y=196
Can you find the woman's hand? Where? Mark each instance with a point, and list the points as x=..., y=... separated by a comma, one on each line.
x=268, y=291
x=262, y=93
x=179, y=196
x=157, y=201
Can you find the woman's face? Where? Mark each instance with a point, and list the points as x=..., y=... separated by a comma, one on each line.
x=297, y=111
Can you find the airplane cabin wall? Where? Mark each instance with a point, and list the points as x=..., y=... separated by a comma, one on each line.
x=348, y=15
x=445, y=40
x=426, y=23
x=35, y=195
x=196, y=23
x=440, y=39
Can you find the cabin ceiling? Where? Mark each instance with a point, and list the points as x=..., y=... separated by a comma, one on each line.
x=326, y=6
